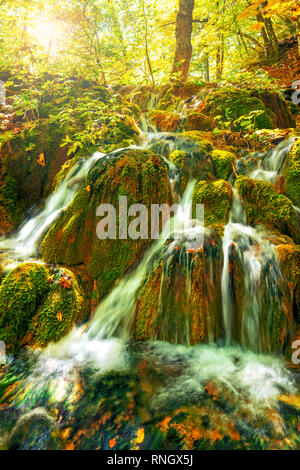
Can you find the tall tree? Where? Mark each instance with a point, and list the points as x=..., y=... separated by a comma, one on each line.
x=184, y=49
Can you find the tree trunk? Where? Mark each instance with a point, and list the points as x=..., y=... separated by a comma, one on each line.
x=184, y=28
x=267, y=43
x=220, y=58
x=206, y=68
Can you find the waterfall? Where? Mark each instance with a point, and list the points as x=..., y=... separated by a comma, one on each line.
x=271, y=165
x=261, y=269
x=25, y=242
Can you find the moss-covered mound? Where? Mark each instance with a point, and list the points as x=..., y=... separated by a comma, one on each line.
x=142, y=177
x=231, y=105
x=196, y=121
x=21, y=293
x=29, y=163
x=164, y=121
x=266, y=207
x=38, y=305
x=60, y=309
x=217, y=199
x=223, y=161
x=291, y=174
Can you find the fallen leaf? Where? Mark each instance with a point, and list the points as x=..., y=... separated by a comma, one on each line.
x=112, y=443
x=41, y=159
x=59, y=317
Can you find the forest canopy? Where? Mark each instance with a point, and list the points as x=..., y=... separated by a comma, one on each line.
x=142, y=41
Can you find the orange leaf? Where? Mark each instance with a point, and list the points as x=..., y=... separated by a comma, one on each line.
x=59, y=317
x=41, y=159
x=88, y=188
x=112, y=443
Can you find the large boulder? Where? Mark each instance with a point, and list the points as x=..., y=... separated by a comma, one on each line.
x=139, y=175
x=39, y=305
x=236, y=106
x=264, y=206
x=217, y=199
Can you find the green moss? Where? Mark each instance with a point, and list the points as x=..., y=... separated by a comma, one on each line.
x=196, y=121
x=59, y=311
x=21, y=292
x=169, y=102
x=9, y=196
x=223, y=163
x=217, y=199
x=178, y=157
x=232, y=104
x=291, y=174
x=266, y=207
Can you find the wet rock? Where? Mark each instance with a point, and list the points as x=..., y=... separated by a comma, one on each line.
x=180, y=301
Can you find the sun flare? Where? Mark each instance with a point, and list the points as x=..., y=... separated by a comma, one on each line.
x=48, y=34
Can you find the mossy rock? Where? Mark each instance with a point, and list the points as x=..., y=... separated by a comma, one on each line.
x=223, y=161
x=266, y=207
x=201, y=139
x=21, y=292
x=39, y=305
x=168, y=101
x=119, y=131
x=217, y=199
x=178, y=301
x=291, y=174
x=196, y=121
x=233, y=104
x=142, y=176
x=178, y=157
x=164, y=121
x=59, y=311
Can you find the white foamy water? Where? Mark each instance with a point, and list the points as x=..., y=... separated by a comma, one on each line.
x=257, y=255
x=270, y=167
x=25, y=242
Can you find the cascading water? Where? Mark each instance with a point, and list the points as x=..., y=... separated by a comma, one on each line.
x=270, y=165
x=66, y=375
x=25, y=242
x=261, y=268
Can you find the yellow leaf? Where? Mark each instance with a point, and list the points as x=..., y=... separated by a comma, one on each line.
x=88, y=188
x=140, y=436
